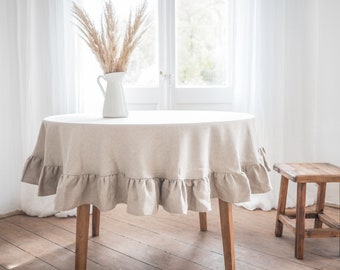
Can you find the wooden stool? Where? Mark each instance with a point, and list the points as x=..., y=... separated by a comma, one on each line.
x=303, y=173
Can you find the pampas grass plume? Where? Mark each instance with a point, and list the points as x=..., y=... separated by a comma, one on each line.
x=112, y=54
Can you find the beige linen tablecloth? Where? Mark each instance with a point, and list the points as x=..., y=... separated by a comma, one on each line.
x=177, y=159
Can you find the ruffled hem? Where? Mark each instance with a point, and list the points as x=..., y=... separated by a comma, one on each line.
x=32, y=170
x=35, y=172
x=144, y=195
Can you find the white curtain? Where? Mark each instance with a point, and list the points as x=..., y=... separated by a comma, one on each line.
x=10, y=135
x=276, y=57
x=37, y=78
x=275, y=79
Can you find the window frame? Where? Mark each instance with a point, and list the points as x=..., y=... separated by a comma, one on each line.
x=181, y=96
x=167, y=95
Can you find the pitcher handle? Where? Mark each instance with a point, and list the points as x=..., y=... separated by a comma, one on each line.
x=99, y=83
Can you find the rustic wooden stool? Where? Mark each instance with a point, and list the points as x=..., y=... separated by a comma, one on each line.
x=303, y=173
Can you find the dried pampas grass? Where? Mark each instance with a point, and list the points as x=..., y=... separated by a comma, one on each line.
x=105, y=42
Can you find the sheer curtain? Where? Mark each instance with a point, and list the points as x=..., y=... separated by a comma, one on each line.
x=37, y=80
x=276, y=57
x=10, y=135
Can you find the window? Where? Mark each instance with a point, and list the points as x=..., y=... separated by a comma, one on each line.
x=184, y=61
x=201, y=43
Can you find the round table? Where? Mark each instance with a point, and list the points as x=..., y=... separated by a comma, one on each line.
x=177, y=159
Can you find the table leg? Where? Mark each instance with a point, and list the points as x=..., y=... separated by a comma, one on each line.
x=203, y=221
x=82, y=234
x=226, y=219
x=95, y=221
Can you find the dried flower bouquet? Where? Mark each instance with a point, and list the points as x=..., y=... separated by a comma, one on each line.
x=112, y=54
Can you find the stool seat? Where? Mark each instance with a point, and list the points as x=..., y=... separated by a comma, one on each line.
x=303, y=173
x=309, y=172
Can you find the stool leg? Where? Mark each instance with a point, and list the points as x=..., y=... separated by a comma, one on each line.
x=95, y=221
x=300, y=220
x=203, y=221
x=320, y=203
x=281, y=208
x=82, y=234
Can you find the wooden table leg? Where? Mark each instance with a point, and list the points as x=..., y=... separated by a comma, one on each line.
x=281, y=208
x=320, y=203
x=82, y=235
x=226, y=218
x=95, y=221
x=203, y=221
x=300, y=220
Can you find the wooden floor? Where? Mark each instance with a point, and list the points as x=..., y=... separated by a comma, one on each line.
x=163, y=241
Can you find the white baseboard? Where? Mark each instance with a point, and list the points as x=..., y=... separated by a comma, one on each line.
x=14, y=213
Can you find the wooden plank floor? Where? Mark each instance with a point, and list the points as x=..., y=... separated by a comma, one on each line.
x=163, y=241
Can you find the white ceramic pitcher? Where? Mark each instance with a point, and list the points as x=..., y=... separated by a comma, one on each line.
x=114, y=103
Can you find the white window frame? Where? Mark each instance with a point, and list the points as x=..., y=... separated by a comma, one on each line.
x=168, y=96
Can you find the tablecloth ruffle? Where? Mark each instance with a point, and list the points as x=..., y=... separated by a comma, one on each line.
x=143, y=195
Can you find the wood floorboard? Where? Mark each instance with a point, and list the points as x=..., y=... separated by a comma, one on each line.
x=63, y=237
x=170, y=244
x=162, y=241
x=13, y=257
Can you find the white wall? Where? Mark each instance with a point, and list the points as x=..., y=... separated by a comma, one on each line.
x=328, y=93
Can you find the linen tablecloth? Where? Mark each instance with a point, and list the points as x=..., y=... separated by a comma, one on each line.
x=177, y=159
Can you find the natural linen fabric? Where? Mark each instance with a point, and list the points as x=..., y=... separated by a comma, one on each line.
x=171, y=158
